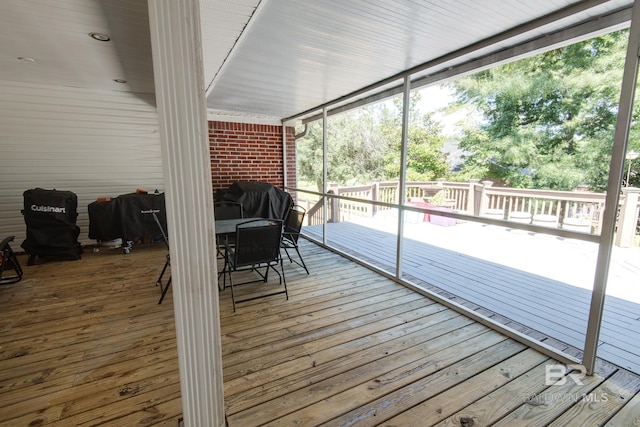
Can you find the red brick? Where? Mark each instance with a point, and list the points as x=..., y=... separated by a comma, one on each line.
x=250, y=152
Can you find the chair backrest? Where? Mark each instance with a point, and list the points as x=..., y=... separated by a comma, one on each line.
x=162, y=232
x=294, y=222
x=8, y=261
x=257, y=241
x=227, y=210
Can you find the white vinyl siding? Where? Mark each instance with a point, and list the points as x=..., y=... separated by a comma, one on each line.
x=94, y=143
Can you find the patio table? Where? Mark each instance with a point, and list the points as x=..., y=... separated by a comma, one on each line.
x=228, y=226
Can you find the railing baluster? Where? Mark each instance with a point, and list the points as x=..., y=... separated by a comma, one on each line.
x=562, y=204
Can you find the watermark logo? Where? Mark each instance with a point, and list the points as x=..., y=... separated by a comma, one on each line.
x=563, y=398
x=559, y=374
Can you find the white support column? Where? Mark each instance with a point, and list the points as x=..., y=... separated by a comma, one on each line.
x=325, y=184
x=180, y=99
x=402, y=184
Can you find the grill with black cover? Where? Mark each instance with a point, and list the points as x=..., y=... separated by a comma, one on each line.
x=258, y=199
x=50, y=217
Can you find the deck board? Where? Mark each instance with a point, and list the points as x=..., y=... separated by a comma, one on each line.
x=554, y=308
x=85, y=343
x=494, y=406
x=455, y=398
x=610, y=395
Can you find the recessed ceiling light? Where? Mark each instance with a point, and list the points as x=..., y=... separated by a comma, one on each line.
x=119, y=80
x=100, y=37
x=26, y=59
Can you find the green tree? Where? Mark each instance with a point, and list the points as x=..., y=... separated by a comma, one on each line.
x=356, y=147
x=425, y=159
x=309, y=152
x=364, y=145
x=548, y=120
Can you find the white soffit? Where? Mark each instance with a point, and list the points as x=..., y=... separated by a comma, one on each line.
x=298, y=54
x=53, y=38
x=236, y=117
x=222, y=23
x=271, y=58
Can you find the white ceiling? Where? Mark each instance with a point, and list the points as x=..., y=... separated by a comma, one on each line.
x=273, y=58
x=55, y=35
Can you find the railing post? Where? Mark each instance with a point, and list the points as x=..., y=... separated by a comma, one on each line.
x=306, y=207
x=471, y=198
x=628, y=219
x=375, y=194
x=484, y=197
x=440, y=184
x=334, y=204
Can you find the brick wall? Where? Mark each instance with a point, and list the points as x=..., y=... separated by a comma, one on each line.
x=249, y=152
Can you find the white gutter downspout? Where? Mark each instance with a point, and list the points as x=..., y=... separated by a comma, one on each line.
x=297, y=136
x=304, y=132
x=285, y=183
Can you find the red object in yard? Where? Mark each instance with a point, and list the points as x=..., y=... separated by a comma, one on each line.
x=422, y=205
x=442, y=220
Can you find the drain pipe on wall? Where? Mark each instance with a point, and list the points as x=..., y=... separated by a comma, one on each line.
x=284, y=156
x=296, y=137
x=304, y=132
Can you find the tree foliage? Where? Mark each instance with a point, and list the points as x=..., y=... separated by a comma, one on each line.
x=547, y=121
x=364, y=145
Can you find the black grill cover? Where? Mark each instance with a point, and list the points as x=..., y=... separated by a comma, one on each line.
x=259, y=199
x=102, y=221
x=50, y=217
x=127, y=216
x=133, y=213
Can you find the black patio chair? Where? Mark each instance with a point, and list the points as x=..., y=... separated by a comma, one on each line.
x=9, y=262
x=257, y=246
x=164, y=287
x=291, y=233
x=225, y=209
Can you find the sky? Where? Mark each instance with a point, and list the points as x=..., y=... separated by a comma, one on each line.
x=437, y=97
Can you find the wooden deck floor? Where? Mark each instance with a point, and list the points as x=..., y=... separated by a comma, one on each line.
x=85, y=343
x=550, y=307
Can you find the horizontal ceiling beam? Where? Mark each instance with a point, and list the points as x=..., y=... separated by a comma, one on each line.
x=442, y=72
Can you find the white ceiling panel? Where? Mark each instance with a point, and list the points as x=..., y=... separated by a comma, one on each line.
x=54, y=35
x=270, y=59
x=222, y=23
x=299, y=54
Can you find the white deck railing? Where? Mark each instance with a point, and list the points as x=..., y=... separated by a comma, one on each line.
x=570, y=210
